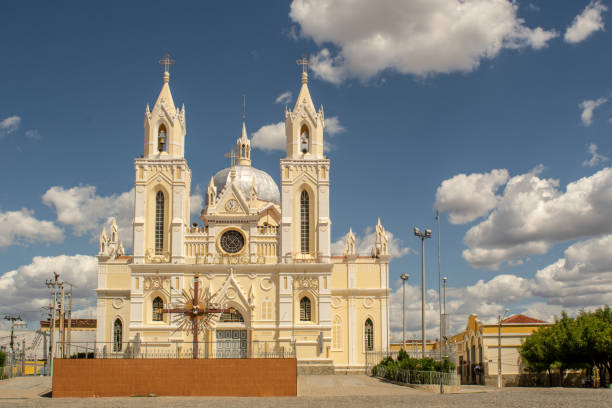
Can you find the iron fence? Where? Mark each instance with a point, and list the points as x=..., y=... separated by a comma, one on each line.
x=19, y=367
x=177, y=349
x=415, y=377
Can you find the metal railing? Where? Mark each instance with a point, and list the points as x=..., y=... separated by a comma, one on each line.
x=213, y=349
x=415, y=377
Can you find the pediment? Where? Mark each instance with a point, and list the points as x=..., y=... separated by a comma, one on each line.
x=229, y=194
x=232, y=291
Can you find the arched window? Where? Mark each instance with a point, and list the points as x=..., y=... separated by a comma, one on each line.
x=337, y=333
x=305, y=311
x=368, y=335
x=233, y=316
x=159, y=223
x=304, y=139
x=305, y=222
x=117, y=336
x=161, y=139
x=158, y=306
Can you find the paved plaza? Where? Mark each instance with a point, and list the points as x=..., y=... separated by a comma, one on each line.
x=318, y=391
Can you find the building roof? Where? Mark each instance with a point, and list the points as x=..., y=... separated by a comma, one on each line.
x=519, y=318
x=75, y=323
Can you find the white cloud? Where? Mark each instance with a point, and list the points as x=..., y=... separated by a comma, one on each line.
x=20, y=227
x=533, y=214
x=285, y=97
x=23, y=290
x=421, y=37
x=586, y=23
x=86, y=212
x=596, y=158
x=32, y=134
x=587, y=109
x=467, y=197
x=272, y=137
x=333, y=126
x=583, y=278
x=365, y=242
x=196, y=202
x=9, y=125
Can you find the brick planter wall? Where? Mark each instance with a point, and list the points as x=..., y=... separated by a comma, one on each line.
x=177, y=377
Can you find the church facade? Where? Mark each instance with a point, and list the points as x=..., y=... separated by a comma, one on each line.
x=262, y=251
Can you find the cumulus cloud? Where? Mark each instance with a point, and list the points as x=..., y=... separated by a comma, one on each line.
x=86, y=212
x=366, y=241
x=196, y=201
x=596, y=158
x=586, y=23
x=23, y=290
x=582, y=278
x=533, y=213
x=20, y=227
x=272, y=137
x=285, y=97
x=467, y=197
x=9, y=125
x=588, y=107
x=423, y=37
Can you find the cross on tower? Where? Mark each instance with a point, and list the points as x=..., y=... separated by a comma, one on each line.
x=166, y=62
x=304, y=63
x=232, y=156
x=196, y=312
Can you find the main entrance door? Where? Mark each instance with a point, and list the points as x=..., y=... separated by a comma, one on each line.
x=231, y=343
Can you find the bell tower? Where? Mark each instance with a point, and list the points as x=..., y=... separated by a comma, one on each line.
x=305, y=181
x=163, y=182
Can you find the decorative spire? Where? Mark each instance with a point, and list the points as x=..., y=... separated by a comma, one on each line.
x=166, y=62
x=243, y=144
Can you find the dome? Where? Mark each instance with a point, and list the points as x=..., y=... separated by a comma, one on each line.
x=267, y=190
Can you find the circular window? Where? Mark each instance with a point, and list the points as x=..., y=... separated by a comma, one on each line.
x=232, y=241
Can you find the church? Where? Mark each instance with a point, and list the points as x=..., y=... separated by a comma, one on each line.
x=262, y=251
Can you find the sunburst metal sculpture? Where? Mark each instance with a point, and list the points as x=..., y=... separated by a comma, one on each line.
x=196, y=312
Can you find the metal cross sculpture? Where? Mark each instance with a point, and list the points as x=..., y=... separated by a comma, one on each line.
x=197, y=313
x=166, y=62
x=304, y=63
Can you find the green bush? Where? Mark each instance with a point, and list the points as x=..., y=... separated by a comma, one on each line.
x=2, y=358
x=393, y=368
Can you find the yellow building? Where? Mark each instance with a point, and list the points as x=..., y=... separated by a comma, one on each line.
x=477, y=349
x=262, y=251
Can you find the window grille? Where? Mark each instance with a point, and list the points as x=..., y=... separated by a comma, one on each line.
x=158, y=305
x=305, y=314
x=369, y=335
x=117, y=336
x=305, y=224
x=159, y=223
x=233, y=316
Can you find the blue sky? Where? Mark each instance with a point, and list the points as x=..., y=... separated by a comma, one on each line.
x=510, y=95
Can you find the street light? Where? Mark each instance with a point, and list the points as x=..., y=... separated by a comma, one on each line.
x=499, y=360
x=445, y=316
x=404, y=277
x=422, y=235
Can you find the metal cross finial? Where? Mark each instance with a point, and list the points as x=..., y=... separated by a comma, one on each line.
x=166, y=62
x=304, y=63
x=232, y=156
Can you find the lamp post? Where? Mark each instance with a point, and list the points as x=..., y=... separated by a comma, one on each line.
x=422, y=235
x=404, y=277
x=444, y=309
x=499, y=359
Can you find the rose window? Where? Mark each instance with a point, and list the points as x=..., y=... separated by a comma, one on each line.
x=232, y=241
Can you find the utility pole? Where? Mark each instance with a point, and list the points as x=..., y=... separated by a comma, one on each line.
x=61, y=322
x=69, y=318
x=12, y=319
x=404, y=277
x=53, y=284
x=500, y=382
